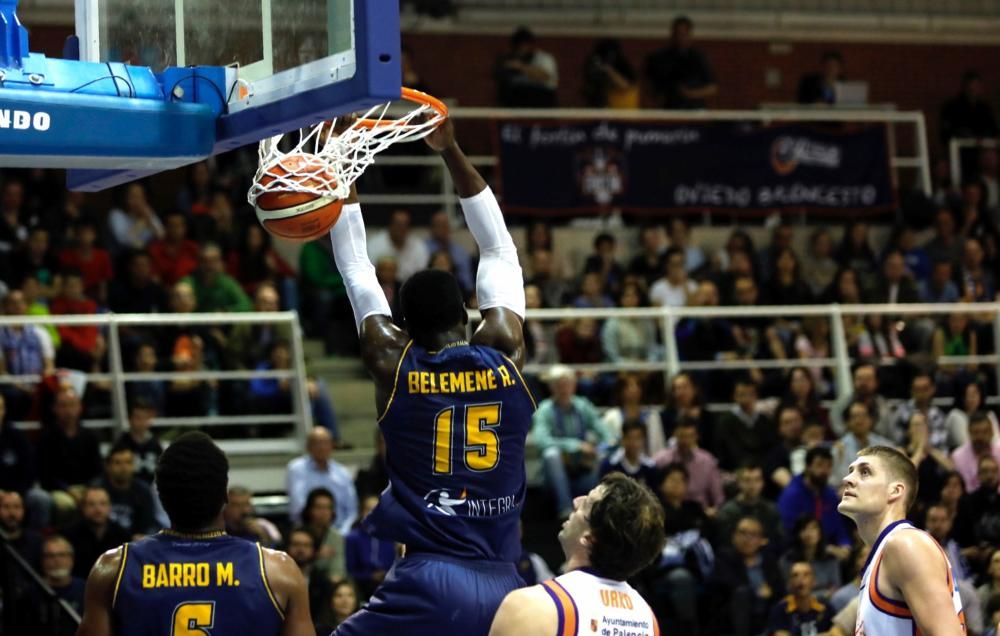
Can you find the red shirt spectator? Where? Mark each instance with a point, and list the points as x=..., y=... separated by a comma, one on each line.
x=174, y=256
x=82, y=339
x=93, y=263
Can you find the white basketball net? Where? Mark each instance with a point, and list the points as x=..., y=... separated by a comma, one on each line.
x=335, y=161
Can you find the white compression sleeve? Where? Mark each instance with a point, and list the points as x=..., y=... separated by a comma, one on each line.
x=350, y=251
x=499, y=281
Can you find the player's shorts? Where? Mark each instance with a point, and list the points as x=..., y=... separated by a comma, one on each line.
x=435, y=595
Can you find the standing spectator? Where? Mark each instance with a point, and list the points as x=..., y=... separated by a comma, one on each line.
x=68, y=454
x=744, y=433
x=608, y=78
x=810, y=494
x=631, y=410
x=255, y=262
x=940, y=288
x=603, y=263
x=679, y=74
x=648, y=263
x=95, y=533
x=137, y=292
x=571, y=437
x=135, y=224
x=922, y=401
x=981, y=443
x=821, y=87
x=968, y=114
x=818, y=266
x=860, y=422
x=132, y=504
x=526, y=76
x=318, y=519
x=704, y=478
x=214, y=289
x=746, y=582
x=368, y=558
x=800, y=613
x=674, y=288
x=748, y=502
x=79, y=344
x=397, y=240
x=57, y=572
x=139, y=439
x=630, y=457
x=317, y=469
x=174, y=256
x=809, y=546
x=24, y=350
x=441, y=239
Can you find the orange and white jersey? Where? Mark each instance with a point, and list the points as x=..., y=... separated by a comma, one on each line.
x=589, y=605
x=879, y=615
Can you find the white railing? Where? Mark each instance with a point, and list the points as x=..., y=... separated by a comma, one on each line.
x=447, y=198
x=955, y=146
x=300, y=417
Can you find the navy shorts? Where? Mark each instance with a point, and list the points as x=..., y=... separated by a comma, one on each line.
x=429, y=594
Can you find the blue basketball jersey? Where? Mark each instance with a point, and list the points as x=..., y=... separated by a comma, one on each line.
x=455, y=430
x=178, y=585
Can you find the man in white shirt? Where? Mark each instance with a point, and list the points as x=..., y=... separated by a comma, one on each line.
x=397, y=241
x=316, y=469
x=674, y=289
x=526, y=76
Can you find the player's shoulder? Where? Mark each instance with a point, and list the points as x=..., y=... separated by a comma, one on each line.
x=525, y=612
x=910, y=551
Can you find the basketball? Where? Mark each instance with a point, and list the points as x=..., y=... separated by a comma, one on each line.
x=298, y=216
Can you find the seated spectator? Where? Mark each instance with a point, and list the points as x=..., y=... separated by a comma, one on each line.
x=703, y=476
x=747, y=581
x=802, y=394
x=991, y=585
x=68, y=454
x=387, y=275
x=302, y=549
x=344, y=602
x=810, y=494
x=946, y=244
x=526, y=76
x=629, y=339
x=679, y=74
x=151, y=392
x=674, y=288
x=57, y=572
x=800, y=613
x=275, y=395
x=139, y=439
x=974, y=216
x=610, y=273
x=748, y=502
x=989, y=167
x=685, y=402
x=895, y=285
x=238, y=515
x=939, y=288
x=821, y=87
x=744, y=433
x=219, y=225
x=137, y=292
x=918, y=264
x=17, y=456
x=648, y=263
x=255, y=262
x=24, y=350
x=876, y=337
x=679, y=235
x=195, y=195
x=35, y=258
x=26, y=541
x=939, y=525
x=739, y=264
x=933, y=465
x=860, y=422
x=397, y=240
x=441, y=239
x=12, y=229
x=855, y=253
x=756, y=337
x=318, y=469
x=608, y=79
x=368, y=559
x=977, y=522
x=571, y=437
x=92, y=261
x=981, y=443
x=784, y=284
x=325, y=305
x=818, y=265
x=249, y=343
x=174, y=256
x=812, y=343
x=975, y=279
x=187, y=397
x=807, y=545
x=849, y=590
x=630, y=410
x=318, y=519
x=579, y=342
x=134, y=225
x=782, y=238
x=79, y=343
x=787, y=458
x=95, y=533
x=132, y=500
x=845, y=288
x=591, y=295
x=213, y=288
x=703, y=338
x=373, y=479
x=921, y=401
x=630, y=457
x=554, y=287
x=865, y=382
x=969, y=399
x=38, y=306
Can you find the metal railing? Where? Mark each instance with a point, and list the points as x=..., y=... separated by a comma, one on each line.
x=300, y=417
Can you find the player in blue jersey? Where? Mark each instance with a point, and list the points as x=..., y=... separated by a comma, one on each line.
x=455, y=414
x=194, y=579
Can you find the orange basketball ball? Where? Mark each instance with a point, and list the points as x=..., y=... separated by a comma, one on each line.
x=298, y=216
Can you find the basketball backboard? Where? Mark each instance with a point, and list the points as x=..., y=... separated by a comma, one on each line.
x=290, y=63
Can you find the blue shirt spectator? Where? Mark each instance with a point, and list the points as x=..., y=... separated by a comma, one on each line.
x=809, y=494
x=317, y=469
x=441, y=241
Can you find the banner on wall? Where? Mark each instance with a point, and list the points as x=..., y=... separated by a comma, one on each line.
x=654, y=168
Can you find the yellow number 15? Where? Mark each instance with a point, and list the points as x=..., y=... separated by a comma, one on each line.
x=482, y=444
x=194, y=619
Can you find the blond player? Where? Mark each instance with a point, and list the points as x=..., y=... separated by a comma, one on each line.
x=614, y=531
x=907, y=587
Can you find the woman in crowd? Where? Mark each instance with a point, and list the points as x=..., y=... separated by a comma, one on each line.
x=631, y=409
x=801, y=393
x=683, y=401
x=809, y=545
x=969, y=400
x=317, y=519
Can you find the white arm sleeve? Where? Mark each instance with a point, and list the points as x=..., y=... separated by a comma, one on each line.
x=351, y=255
x=499, y=281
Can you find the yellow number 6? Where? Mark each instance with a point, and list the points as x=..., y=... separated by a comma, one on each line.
x=194, y=619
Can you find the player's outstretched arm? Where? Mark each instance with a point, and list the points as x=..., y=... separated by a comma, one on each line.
x=499, y=281
x=915, y=566
x=99, y=594
x=381, y=341
x=526, y=612
x=290, y=592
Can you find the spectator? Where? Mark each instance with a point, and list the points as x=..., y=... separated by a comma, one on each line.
x=608, y=78
x=674, y=288
x=79, y=343
x=630, y=457
x=35, y=259
x=755, y=337
x=981, y=443
x=135, y=224
x=591, y=294
x=240, y=520
x=744, y=433
x=57, y=572
x=578, y=342
x=954, y=337
x=932, y=464
x=821, y=87
x=248, y=344
x=969, y=399
x=255, y=262
x=865, y=382
x=855, y=252
x=845, y=288
x=137, y=292
x=849, y=591
x=95, y=533
x=747, y=581
x=318, y=519
x=532, y=567
x=895, y=286
x=302, y=549
x=951, y=495
x=748, y=502
x=787, y=458
x=991, y=585
x=939, y=524
x=441, y=239
x=649, y=264
x=782, y=238
x=810, y=494
x=325, y=303
x=968, y=114
x=860, y=422
x=344, y=602
x=368, y=558
x=174, y=256
x=701, y=338
x=397, y=240
x=922, y=401
x=679, y=74
x=627, y=339
x=977, y=522
x=679, y=233
x=571, y=437
x=275, y=396
x=387, y=275
x=818, y=266
x=785, y=285
x=219, y=225
x=812, y=343
x=809, y=546
x=317, y=469
x=17, y=456
x=631, y=410
x=12, y=229
x=554, y=288
x=685, y=402
x=918, y=265
x=214, y=289
x=189, y=397
x=802, y=394
x=989, y=167
x=526, y=76
x=38, y=306
x=374, y=479
x=195, y=196
x=800, y=613
x=704, y=479
x=939, y=288
x=602, y=262
x=151, y=392
x=946, y=243
x=24, y=350
x=68, y=455
x=27, y=542
x=975, y=280
x=132, y=503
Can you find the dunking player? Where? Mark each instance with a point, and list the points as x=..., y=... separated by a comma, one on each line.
x=455, y=415
x=907, y=587
x=194, y=579
x=614, y=531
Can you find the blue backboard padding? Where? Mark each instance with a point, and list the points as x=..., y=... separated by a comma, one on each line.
x=81, y=78
x=377, y=80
